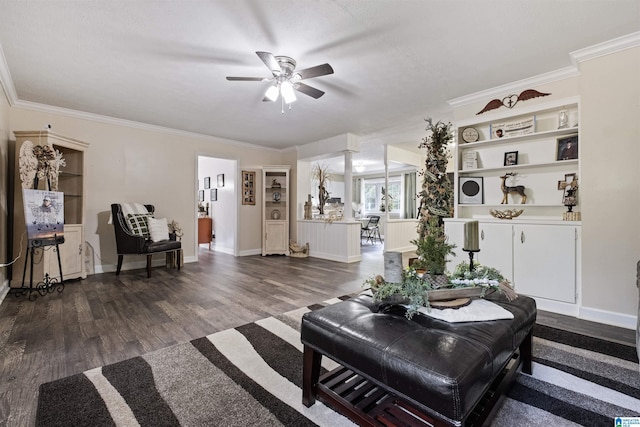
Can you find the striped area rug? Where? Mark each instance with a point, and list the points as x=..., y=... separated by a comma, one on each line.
x=252, y=376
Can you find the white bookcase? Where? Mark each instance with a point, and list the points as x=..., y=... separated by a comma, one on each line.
x=538, y=168
x=275, y=210
x=537, y=251
x=71, y=183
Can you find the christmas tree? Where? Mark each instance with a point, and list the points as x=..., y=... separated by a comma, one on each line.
x=436, y=196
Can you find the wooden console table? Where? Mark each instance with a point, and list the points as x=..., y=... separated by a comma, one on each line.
x=205, y=230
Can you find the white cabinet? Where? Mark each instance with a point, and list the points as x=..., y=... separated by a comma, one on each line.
x=71, y=184
x=541, y=260
x=545, y=261
x=70, y=255
x=531, y=148
x=275, y=210
x=496, y=247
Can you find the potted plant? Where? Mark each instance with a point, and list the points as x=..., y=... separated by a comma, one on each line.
x=432, y=250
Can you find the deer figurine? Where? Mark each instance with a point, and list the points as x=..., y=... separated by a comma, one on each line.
x=519, y=189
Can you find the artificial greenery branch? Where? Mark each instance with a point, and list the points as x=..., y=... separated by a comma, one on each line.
x=413, y=290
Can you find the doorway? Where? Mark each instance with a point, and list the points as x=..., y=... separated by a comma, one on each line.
x=216, y=199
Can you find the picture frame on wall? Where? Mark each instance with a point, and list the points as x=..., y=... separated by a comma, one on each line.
x=248, y=188
x=207, y=182
x=510, y=158
x=214, y=194
x=221, y=180
x=567, y=147
x=201, y=196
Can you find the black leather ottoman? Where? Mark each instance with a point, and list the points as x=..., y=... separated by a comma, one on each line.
x=424, y=370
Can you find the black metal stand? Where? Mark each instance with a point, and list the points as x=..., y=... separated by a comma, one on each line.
x=48, y=283
x=471, y=252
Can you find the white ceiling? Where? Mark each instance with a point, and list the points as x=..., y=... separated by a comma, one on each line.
x=396, y=61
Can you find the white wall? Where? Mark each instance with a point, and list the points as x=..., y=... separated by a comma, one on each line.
x=151, y=165
x=223, y=211
x=4, y=185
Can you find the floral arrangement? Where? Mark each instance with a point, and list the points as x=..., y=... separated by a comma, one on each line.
x=174, y=228
x=40, y=162
x=321, y=175
x=414, y=288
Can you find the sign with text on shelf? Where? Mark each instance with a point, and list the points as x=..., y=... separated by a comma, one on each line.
x=525, y=126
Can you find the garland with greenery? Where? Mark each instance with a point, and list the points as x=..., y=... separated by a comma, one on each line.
x=413, y=290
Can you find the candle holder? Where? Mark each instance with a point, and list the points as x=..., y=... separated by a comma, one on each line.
x=471, y=252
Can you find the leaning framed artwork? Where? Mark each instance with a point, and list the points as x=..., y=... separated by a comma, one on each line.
x=567, y=147
x=248, y=188
x=510, y=158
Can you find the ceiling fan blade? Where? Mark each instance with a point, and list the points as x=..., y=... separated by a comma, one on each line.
x=246, y=79
x=318, y=70
x=308, y=90
x=270, y=61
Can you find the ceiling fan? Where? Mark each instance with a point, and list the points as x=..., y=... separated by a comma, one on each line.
x=286, y=79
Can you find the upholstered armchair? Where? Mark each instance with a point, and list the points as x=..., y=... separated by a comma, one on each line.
x=130, y=243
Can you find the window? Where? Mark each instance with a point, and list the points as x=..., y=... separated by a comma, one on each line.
x=373, y=197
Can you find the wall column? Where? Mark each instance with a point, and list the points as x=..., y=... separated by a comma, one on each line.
x=347, y=213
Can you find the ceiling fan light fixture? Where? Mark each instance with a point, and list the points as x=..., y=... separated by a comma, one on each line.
x=286, y=89
x=272, y=93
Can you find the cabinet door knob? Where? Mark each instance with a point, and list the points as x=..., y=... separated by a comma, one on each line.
x=482, y=235
x=522, y=237
x=80, y=249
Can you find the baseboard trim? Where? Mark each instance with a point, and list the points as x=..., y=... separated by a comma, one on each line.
x=111, y=268
x=333, y=257
x=250, y=252
x=609, y=317
x=587, y=313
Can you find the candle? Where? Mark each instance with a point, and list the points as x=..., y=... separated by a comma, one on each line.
x=471, y=240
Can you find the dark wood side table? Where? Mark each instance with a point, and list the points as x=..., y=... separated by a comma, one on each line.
x=205, y=230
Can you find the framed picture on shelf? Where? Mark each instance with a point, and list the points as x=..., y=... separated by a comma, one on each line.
x=207, y=182
x=248, y=188
x=567, y=147
x=221, y=180
x=201, y=196
x=471, y=191
x=510, y=158
x=214, y=194
x=469, y=160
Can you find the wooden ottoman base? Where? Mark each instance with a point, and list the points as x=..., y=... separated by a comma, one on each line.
x=368, y=404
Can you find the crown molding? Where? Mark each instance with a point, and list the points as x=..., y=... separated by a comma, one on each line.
x=606, y=48
x=6, y=81
x=577, y=57
x=82, y=115
x=499, y=91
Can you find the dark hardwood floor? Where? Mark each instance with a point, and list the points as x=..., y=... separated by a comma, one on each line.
x=105, y=319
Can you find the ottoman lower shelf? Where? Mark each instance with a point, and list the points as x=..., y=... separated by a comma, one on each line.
x=368, y=404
